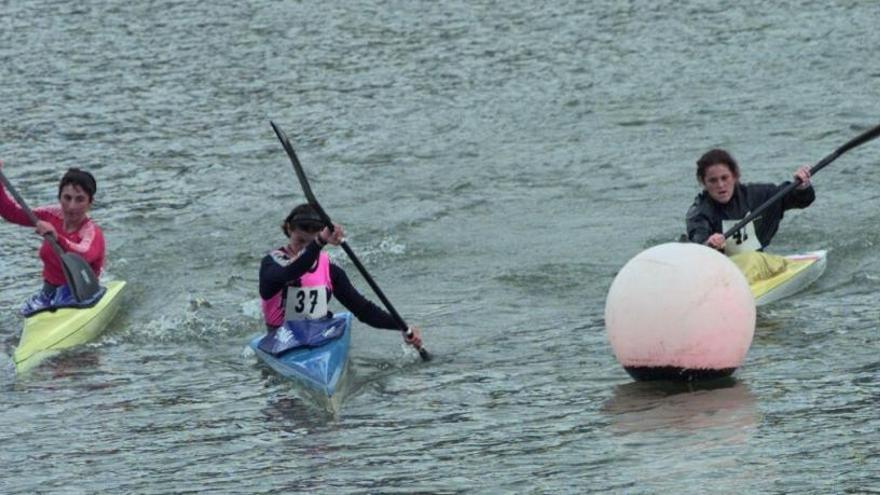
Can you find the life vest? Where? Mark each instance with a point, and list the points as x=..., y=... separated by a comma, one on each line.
x=304, y=299
x=744, y=240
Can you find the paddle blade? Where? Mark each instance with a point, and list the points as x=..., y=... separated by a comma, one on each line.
x=294, y=160
x=301, y=175
x=80, y=277
x=424, y=354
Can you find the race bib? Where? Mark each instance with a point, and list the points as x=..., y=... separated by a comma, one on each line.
x=743, y=240
x=306, y=303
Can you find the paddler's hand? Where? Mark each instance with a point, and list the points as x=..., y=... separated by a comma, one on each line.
x=803, y=174
x=43, y=227
x=335, y=237
x=413, y=337
x=716, y=241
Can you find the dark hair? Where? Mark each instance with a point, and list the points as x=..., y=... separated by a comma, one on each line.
x=301, y=214
x=715, y=157
x=81, y=178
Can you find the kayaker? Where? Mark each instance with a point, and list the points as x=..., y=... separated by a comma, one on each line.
x=725, y=200
x=298, y=280
x=68, y=221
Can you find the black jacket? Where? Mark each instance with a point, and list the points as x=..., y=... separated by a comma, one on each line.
x=705, y=215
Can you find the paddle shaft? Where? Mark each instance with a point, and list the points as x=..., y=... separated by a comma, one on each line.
x=307, y=190
x=858, y=140
x=372, y=283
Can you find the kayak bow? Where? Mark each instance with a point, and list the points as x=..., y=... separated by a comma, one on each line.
x=800, y=271
x=319, y=368
x=48, y=332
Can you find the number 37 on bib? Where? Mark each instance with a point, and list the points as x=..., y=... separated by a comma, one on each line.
x=306, y=303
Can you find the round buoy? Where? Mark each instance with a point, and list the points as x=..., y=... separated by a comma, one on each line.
x=680, y=311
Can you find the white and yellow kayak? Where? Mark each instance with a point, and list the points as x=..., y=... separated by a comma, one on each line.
x=773, y=277
x=48, y=332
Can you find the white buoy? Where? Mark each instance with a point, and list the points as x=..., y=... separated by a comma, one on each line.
x=680, y=311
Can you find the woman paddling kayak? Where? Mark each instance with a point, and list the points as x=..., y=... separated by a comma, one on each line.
x=68, y=222
x=725, y=200
x=298, y=280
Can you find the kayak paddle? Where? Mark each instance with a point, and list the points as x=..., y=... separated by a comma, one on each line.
x=852, y=143
x=79, y=275
x=304, y=182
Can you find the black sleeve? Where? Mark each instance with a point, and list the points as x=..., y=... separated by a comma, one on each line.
x=360, y=306
x=275, y=275
x=699, y=227
x=798, y=198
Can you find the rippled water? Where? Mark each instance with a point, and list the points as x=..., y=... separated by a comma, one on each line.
x=495, y=164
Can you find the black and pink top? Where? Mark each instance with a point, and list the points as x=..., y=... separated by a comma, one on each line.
x=281, y=270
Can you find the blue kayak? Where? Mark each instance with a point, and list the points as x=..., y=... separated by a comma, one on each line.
x=312, y=352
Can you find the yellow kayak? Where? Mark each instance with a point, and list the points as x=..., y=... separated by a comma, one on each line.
x=47, y=332
x=773, y=277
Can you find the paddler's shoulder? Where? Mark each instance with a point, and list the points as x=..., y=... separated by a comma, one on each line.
x=755, y=193
x=760, y=187
x=700, y=205
x=49, y=212
x=279, y=256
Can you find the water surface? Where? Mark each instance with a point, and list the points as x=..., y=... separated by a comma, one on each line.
x=495, y=164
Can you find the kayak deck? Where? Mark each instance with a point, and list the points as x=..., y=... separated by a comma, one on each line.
x=320, y=368
x=48, y=332
x=801, y=270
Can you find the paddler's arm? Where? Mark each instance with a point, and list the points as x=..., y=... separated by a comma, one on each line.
x=10, y=210
x=276, y=271
x=803, y=195
x=91, y=245
x=362, y=308
x=699, y=229
x=365, y=310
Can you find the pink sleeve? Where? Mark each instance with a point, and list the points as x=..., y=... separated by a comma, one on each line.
x=10, y=210
x=91, y=247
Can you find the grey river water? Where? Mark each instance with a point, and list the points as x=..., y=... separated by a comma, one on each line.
x=495, y=164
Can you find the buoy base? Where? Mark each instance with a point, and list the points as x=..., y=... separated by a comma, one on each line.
x=675, y=373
